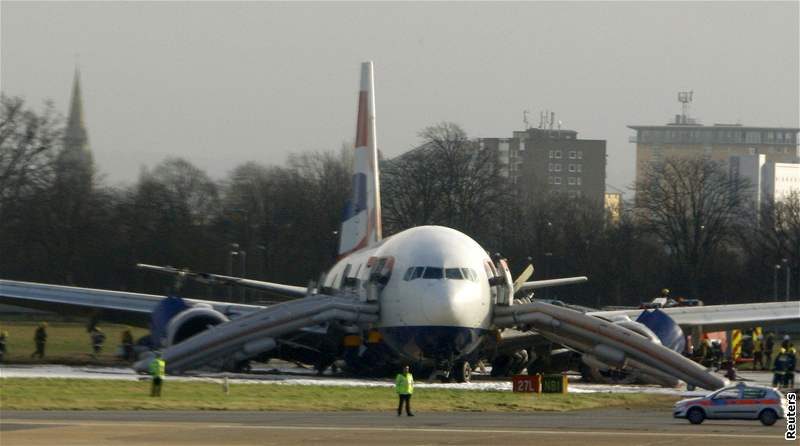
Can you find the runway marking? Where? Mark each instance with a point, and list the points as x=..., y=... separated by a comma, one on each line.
x=406, y=429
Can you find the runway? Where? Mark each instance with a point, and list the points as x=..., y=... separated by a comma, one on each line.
x=289, y=375
x=153, y=428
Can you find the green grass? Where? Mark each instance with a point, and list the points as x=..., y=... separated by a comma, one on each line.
x=78, y=394
x=67, y=343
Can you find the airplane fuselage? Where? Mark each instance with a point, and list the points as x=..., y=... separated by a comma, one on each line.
x=432, y=286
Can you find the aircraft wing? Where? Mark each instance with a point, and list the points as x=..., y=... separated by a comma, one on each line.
x=722, y=317
x=277, y=289
x=606, y=343
x=113, y=306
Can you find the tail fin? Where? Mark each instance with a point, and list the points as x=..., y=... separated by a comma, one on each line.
x=361, y=225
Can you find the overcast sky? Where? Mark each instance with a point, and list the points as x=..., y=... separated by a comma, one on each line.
x=225, y=83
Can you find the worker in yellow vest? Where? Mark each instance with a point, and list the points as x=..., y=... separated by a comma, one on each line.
x=404, y=385
x=758, y=352
x=157, y=368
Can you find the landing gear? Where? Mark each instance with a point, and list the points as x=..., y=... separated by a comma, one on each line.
x=462, y=372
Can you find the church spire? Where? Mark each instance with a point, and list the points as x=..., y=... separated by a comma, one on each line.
x=75, y=136
x=75, y=164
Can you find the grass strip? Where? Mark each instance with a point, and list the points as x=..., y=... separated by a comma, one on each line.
x=90, y=394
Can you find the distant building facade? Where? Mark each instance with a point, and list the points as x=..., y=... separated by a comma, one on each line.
x=771, y=182
x=685, y=138
x=553, y=161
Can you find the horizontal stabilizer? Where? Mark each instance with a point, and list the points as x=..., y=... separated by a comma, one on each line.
x=286, y=291
x=552, y=282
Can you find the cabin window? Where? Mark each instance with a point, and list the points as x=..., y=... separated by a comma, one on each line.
x=433, y=272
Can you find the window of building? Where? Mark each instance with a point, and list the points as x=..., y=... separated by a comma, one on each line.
x=578, y=181
x=579, y=168
x=558, y=154
x=549, y=167
x=571, y=168
x=572, y=154
x=557, y=168
x=571, y=181
x=556, y=180
x=551, y=154
x=571, y=194
x=580, y=154
x=549, y=180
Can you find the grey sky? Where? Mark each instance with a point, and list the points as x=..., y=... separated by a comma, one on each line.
x=225, y=83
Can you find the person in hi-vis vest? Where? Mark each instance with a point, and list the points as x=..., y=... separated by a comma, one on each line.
x=404, y=385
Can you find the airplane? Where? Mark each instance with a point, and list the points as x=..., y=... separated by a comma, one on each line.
x=430, y=296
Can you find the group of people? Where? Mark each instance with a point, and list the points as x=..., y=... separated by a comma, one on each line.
x=96, y=335
x=785, y=365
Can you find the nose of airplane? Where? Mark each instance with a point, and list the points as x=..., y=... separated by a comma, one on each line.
x=451, y=303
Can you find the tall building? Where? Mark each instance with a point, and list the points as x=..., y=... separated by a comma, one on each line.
x=553, y=161
x=685, y=137
x=770, y=182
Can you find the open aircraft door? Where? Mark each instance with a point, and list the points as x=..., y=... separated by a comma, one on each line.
x=503, y=283
x=380, y=271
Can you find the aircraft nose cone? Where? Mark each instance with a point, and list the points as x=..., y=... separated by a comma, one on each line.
x=448, y=303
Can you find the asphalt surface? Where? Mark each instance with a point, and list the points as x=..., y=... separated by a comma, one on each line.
x=602, y=427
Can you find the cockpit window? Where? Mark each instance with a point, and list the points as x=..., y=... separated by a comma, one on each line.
x=453, y=273
x=470, y=274
x=415, y=272
x=433, y=272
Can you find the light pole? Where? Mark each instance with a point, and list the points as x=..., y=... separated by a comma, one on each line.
x=234, y=250
x=243, y=259
x=775, y=282
x=788, y=276
x=547, y=256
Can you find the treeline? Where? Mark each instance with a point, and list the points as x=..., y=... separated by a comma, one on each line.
x=60, y=224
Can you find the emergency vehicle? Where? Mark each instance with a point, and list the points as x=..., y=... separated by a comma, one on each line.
x=739, y=402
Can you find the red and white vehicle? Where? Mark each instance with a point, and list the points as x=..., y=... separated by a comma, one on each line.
x=739, y=402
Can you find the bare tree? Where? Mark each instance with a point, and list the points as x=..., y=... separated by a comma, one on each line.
x=28, y=146
x=693, y=208
x=447, y=180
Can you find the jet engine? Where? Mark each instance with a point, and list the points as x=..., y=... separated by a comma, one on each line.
x=192, y=321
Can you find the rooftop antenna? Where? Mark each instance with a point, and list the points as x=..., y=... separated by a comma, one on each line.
x=685, y=98
x=525, y=119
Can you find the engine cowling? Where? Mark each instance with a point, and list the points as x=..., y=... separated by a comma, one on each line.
x=192, y=321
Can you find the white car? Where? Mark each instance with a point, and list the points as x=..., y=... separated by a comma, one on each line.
x=739, y=402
